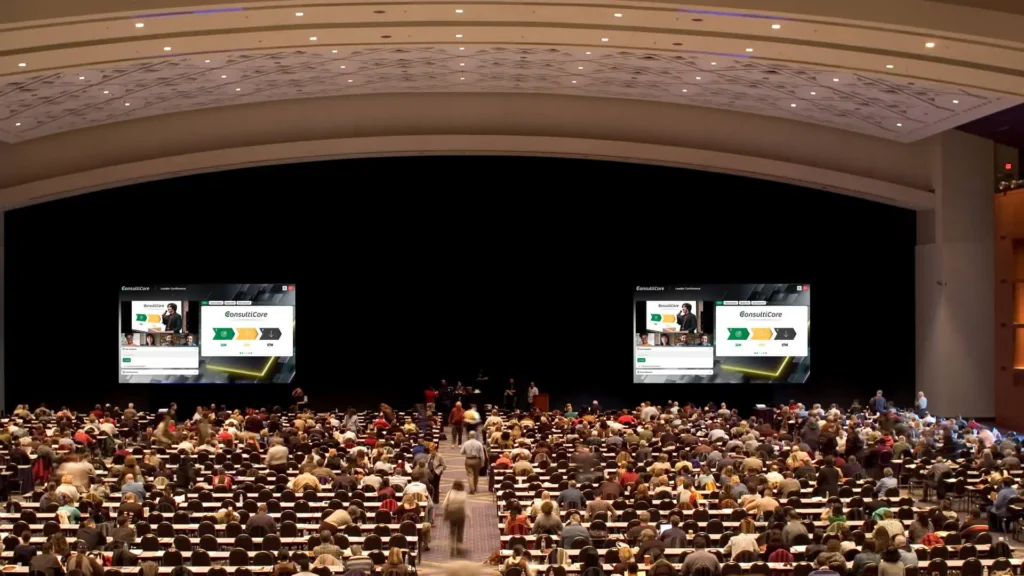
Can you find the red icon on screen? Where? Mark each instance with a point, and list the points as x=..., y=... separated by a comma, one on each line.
x=807, y=287
x=291, y=287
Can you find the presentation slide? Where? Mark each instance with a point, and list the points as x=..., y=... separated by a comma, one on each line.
x=721, y=333
x=206, y=334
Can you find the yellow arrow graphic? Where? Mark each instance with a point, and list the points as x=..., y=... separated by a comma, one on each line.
x=245, y=333
x=669, y=318
x=153, y=318
x=761, y=334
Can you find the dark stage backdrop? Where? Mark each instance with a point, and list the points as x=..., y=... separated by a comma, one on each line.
x=409, y=270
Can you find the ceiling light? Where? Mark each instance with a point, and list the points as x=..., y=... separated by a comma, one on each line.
x=17, y=123
x=334, y=51
x=207, y=61
x=139, y=25
x=835, y=79
x=22, y=64
x=81, y=77
x=573, y=81
x=588, y=53
x=776, y=26
x=462, y=78
x=604, y=39
x=300, y=14
x=617, y=15
x=462, y=48
x=458, y=35
x=350, y=80
x=458, y=10
x=106, y=91
x=929, y=45
x=898, y=124
x=127, y=103
x=814, y=93
x=238, y=89
x=167, y=48
x=312, y=38
x=579, y=67
x=340, y=66
x=792, y=105
x=698, y=77
x=223, y=75
x=714, y=63
x=462, y=63
x=750, y=49
x=889, y=66
x=956, y=101
x=685, y=90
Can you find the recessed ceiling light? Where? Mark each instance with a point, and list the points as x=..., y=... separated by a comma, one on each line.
x=462, y=48
x=458, y=10
x=458, y=35
x=17, y=123
x=929, y=45
x=238, y=89
x=714, y=63
x=462, y=78
x=573, y=81
x=685, y=90
x=127, y=103
x=698, y=77
x=139, y=25
x=81, y=77
x=22, y=64
x=898, y=124
x=167, y=48
x=223, y=75
x=588, y=53
x=814, y=93
x=340, y=66
x=462, y=63
x=776, y=26
x=106, y=91
x=956, y=101
x=312, y=38
x=579, y=67
x=604, y=39
x=350, y=80
x=617, y=15
x=835, y=79
x=300, y=14
x=889, y=66
x=207, y=61
x=750, y=49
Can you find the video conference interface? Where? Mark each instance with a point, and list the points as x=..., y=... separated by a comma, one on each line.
x=721, y=333
x=206, y=333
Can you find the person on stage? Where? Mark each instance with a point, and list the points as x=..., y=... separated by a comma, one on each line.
x=300, y=399
x=687, y=320
x=171, y=319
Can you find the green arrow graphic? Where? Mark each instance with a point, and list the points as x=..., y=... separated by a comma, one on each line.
x=140, y=317
x=223, y=334
x=655, y=317
x=738, y=333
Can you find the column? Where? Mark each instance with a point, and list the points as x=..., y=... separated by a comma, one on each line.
x=955, y=284
x=3, y=280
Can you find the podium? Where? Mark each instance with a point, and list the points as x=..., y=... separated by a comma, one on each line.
x=540, y=402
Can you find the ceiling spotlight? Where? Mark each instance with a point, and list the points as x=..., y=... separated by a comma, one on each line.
x=223, y=75
x=929, y=45
x=898, y=124
x=238, y=89
x=889, y=66
x=340, y=66
x=22, y=64
x=698, y=77
x=814, y=93
x=139, y=25
x=312, y=38
x=588, y=53
x=573, y=81
x=461, y=48
x=956, y=101
x=207, y=61
x=714, y=63
x=300, y=14
x=17, y=123
x=167, y=48
x=350, y=80
x=462, y=63
x=792, y=105
x=127, y=103
x=617, y=15
x=776, y=26
x=685, y=90
x=835, y=79
x=462, y=78
x=750, y=49
x=604, y=39
x=106, y=91
x=458, y=10
x=579, y=67
x=458, y=35
x=81, y=77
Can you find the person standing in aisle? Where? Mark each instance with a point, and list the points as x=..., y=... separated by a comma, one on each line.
x=473, y=450
x=455, y=514
x=435, y=467
x=531, y=393
x=455, y=420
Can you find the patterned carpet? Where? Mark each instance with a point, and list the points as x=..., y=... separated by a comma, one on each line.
x=482, y=537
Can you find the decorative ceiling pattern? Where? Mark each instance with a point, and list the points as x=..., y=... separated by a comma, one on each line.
x=36, y=105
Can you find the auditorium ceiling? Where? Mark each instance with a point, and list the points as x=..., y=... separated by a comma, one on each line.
x=95, y=63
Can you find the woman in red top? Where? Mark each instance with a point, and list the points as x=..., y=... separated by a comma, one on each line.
x=222, y=479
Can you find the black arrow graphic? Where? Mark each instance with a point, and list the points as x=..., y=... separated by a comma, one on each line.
x=270, y=333
x=785, y=333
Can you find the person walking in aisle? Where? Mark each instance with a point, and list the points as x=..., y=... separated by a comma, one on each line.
x=435, y=467
x=455, y=419
x=455, y=514
x=473, y=450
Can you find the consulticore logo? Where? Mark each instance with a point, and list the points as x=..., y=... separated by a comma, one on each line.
x=230, y=314
x=134, y=288
x=649, y=288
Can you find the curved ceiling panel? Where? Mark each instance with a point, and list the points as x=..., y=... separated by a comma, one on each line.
x=888, y=81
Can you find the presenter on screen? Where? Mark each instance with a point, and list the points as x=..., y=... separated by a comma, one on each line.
x=687, y=320
x=171, y=319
